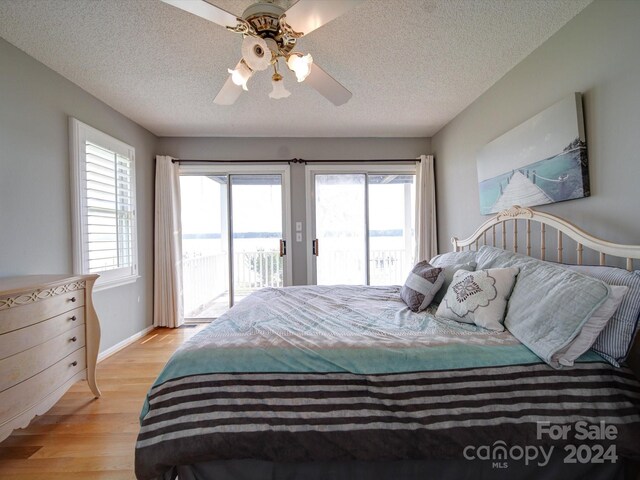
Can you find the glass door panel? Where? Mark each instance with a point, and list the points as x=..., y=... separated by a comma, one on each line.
x=340, y=229
x=205, y=246
x=257, y=228
x=391, y=228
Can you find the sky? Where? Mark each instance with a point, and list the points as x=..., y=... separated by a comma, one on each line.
x=256, y=208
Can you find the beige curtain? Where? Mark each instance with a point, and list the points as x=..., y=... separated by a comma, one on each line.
x=167, y=267
x=426, y=226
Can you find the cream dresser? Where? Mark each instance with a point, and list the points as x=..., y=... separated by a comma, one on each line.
x=49, y=339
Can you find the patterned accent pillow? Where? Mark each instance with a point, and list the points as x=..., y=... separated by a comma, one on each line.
x=449, y=272
x=479, y=297
x=421, y=285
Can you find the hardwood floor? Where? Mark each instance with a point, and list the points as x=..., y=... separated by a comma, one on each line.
x=86, y=438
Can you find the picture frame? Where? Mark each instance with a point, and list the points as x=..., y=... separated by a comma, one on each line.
x=541, y=161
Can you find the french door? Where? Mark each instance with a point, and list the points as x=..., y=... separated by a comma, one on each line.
x=235, y=228
x=362, y=224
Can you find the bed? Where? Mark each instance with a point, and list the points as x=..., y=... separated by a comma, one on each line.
x=347, y=382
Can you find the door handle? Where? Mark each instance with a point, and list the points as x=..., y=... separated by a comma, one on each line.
x=315, y=247
x=283, y=247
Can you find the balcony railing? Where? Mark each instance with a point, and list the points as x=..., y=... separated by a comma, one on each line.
x=387, y=267
x=206, y=278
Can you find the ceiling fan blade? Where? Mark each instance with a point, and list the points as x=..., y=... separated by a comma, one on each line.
x=205, y=10
x=228, y=94
x=327, y=86
x=307, y=15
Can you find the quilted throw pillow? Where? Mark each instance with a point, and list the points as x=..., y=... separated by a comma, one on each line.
x=479, y=297
x=549, y=304
x=421, y=285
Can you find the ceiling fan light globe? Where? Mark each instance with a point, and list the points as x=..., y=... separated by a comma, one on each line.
x=240, y=76
x=256, y=53
x=300, y=65
x=279, y=91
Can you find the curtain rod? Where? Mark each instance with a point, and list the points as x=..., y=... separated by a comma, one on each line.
x=299, y=160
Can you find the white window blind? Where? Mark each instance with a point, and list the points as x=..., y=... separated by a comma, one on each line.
x=105, y=223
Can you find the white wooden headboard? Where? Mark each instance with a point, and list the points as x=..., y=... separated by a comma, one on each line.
x=502, y=231
x=498, y=226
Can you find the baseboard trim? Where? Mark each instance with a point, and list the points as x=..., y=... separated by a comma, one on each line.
x=124, y=343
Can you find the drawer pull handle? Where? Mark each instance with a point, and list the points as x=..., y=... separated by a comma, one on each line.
x=73, y=319
x=73, y=299
x=74, y=363
x=73, y=339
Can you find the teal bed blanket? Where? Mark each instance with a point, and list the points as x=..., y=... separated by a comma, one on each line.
x=340, y=328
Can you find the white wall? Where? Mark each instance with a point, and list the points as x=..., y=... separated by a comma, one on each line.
x=597, y=53
x=286, y=149
x=35, y=208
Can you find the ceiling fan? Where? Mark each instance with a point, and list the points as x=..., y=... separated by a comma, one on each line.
x=270, y=34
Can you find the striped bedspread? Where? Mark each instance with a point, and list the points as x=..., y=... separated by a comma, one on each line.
x=336, y=373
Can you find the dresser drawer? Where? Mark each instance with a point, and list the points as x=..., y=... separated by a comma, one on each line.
x=25, y=338
x=25, y=395
x=25, y=312
x=26, y=364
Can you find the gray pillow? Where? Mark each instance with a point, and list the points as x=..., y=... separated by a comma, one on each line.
x=549, y=304
x=451, y=258
x=449, y=272
x=421, y=285
x=616, y=339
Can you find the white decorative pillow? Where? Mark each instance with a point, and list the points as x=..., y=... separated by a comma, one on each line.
x=479, y=297
x=591, y=329
x=449, y=272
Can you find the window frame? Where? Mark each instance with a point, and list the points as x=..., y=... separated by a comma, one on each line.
x=361, y=168
x=80, y=133
x=259, y=168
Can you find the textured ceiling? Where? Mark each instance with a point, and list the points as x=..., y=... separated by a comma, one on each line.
x=412, y=65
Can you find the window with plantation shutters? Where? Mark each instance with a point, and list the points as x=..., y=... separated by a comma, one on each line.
x=104, y=204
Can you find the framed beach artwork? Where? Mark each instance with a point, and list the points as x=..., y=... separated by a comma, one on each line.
x=541, y=161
